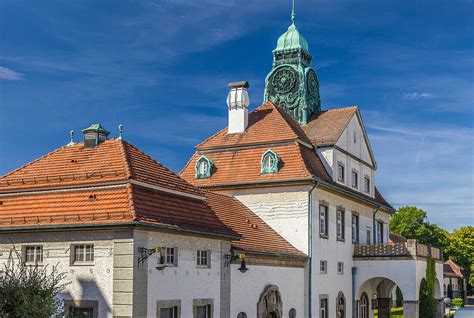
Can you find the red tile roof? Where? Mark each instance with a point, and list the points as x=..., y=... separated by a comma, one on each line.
x=237, y=157
x=77, y=186
x=267, y=124
x=451, y=269
x=112, y=160
x=325, y=127
x=237, y=166
x=257, y=236
x=396, y=238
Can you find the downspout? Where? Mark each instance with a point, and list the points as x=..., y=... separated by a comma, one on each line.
x=374, y=231
x=310, y=245
x=354, y=272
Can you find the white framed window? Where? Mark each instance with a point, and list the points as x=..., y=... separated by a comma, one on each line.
x=269, y=163
x=323, y=220
x=355, y=228
x=169, y=312
x=203, y=258
x=323, y=267
x=340, y=172
x=33, y=254
x=83, y=253
x=366, y=184
x=355, y=179
x=380, y=227
x=368, y=232
x=323, y=308
x=203, y=311
x=340, y=224
x=364, y=306
x=203, y=167
x=340, y=268
x=170, y=256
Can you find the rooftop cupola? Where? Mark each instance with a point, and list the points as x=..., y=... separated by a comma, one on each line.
x=292, y=82
x=94, y=135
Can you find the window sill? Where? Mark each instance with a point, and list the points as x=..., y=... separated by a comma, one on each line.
x=323, y=272
x=202, y=266
x=326, y=237
x=82, y=264
x=39, y=264
x=341, y=240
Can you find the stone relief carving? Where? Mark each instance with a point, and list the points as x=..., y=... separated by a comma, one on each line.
x=270, y=304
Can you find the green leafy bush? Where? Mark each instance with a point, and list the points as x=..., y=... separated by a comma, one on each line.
x=458, y=302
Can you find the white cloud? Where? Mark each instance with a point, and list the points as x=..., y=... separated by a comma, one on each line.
x=417, y=96
x=9, y=75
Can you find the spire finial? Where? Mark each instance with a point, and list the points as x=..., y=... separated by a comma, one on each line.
x=293, y=12
x=120, y=132
x=71, y=135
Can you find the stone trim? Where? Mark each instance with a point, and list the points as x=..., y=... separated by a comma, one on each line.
x=167, y=304
x=203, y=302
x=274, y=261
x=73, y=303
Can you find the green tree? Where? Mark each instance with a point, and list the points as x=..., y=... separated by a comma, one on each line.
x=427, y=291
x=411, y=222
x=30, y=291
x=461, y=250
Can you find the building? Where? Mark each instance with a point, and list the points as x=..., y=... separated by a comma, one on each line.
x=454, y=284
x=277, y=215
x=311, y=174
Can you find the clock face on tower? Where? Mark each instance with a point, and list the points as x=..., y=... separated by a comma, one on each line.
x=284, y=80
x=312, y=83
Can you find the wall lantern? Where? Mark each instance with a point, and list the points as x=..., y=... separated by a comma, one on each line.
x=229, y=258
x=144, y=253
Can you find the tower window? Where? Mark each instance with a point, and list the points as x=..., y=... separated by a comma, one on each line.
x=203, y=167
x=269, y=162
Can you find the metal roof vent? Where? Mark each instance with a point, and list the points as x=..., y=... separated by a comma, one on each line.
x=94, y=135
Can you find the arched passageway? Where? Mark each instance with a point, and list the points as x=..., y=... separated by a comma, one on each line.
x=378, y=297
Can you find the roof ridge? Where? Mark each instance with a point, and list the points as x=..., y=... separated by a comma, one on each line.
x=131, y=203
x=294, y=125
x=125, y=158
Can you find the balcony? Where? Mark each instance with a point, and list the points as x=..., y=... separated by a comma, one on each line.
x=409, y=249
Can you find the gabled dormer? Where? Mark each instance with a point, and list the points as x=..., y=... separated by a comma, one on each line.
x=343, y=146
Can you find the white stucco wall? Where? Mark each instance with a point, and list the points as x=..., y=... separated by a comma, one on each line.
x=285, y=209
x=246, y=288
x=358, y=148
x=88, y=282
x=186, y=281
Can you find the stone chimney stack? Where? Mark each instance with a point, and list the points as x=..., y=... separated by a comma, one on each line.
x=238, y=102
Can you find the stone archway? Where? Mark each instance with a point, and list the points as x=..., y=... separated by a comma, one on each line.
x=269, y=304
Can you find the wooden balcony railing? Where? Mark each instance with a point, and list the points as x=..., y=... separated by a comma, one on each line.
x=409, y=249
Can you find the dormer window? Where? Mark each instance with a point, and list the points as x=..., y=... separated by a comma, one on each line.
x=203, y=167
x=340, y=172
x=366, y=184
x=269, y=162
x=355, y=179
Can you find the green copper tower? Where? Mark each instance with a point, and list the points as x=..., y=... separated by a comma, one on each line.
x=292, y=82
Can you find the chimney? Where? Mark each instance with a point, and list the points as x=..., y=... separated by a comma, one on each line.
x=238, y=102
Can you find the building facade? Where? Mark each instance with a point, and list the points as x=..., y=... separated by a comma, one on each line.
x=277, y=215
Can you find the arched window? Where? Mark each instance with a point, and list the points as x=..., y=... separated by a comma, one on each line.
x=203, y=167
x=364, y=306
x=242, y=315
x=292, y=313
x=341, y=306
x=269, y=162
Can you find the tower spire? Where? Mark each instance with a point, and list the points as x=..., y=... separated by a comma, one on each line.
x=293, y=13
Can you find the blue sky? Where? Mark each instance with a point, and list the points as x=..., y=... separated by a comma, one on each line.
x=160, y=68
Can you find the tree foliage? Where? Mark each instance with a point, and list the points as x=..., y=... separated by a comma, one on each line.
x=427, y=291
x=461, y=250
x=30, y=291
x=411, y=222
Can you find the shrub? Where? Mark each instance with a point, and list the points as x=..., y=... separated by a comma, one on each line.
x=458, y=302
x=29, y=291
